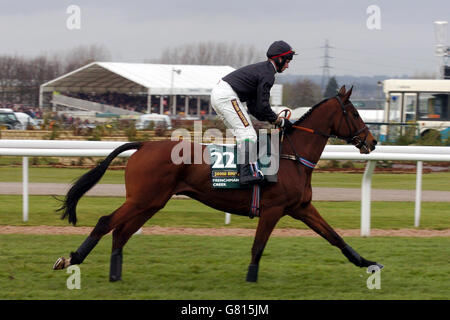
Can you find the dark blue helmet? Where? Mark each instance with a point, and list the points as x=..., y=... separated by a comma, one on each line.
x=280, y=49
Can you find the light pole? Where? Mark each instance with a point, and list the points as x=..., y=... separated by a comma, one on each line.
x=174, y=101
x=440, y=32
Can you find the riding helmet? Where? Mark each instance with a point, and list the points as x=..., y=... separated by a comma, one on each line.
x=280, y=49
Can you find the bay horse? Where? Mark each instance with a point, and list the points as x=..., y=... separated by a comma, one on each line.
x=151, y=179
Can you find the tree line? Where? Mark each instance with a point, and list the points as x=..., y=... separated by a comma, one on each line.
x=21, y=77
x=210, y=53
x=305, y=93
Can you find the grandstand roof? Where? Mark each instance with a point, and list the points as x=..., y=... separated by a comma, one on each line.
x=140, y=78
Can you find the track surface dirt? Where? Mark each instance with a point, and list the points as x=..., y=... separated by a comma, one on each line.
x=319, y=193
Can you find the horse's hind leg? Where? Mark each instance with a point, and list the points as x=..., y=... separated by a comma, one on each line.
x=120, y=237
x=104, y=225
x=311, y=217
x=266, y=224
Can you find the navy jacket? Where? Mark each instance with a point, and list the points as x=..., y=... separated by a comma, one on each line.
x=252, y=84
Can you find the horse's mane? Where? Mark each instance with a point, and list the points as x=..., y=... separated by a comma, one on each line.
x=308, y=113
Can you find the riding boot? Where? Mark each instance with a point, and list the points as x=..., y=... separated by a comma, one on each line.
x=249, y=172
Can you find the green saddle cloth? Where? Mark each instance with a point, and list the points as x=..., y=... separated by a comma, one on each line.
x=224, y=172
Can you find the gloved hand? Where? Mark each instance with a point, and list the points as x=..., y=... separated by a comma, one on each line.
x=284, y=124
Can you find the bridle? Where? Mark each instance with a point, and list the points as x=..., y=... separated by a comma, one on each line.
x=352, y=138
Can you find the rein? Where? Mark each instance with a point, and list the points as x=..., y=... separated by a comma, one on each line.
x=350, y=139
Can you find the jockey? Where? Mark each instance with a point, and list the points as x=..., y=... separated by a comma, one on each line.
x=249, y=87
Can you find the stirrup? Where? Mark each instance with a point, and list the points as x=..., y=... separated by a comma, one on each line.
x=255, y=168
x=247, y=175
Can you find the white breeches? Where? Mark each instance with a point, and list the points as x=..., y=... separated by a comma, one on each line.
x=233, y=112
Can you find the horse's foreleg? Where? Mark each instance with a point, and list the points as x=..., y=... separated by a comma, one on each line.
x=311, y=217
x=265, y=227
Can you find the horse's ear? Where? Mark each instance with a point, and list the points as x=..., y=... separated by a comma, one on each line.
x=348, y=94
x=341, y=91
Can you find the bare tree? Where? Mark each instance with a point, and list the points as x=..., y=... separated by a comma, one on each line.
x=12, y=73
x=210, y=53
x=21, y=77
x=423, y=75
x=304, y=93
x=83, y=55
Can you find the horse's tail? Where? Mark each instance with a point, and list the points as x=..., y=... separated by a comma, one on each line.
x=88, y=180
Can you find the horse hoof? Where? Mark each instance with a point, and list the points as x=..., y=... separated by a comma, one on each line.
x=375, y=267
x=61, y=263
x=251, y=279
x=114, y=279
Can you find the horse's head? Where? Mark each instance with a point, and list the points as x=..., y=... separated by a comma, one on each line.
x=349, y=126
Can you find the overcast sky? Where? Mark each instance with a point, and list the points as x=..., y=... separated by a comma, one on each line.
x=136, y=30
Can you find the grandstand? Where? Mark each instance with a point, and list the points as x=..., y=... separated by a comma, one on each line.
x=134, y=88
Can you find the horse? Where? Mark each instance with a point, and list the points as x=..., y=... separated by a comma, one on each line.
x=151, y=179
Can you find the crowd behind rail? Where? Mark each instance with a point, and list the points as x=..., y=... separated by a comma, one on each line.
x=32, y=111
x=133, y=103
x=139, y=102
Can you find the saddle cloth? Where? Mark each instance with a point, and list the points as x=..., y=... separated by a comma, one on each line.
x=224, y=171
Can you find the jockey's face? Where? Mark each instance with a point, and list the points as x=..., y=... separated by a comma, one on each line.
x=286, y=65
x=277, y=62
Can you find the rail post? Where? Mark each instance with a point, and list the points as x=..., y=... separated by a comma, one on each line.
x=365, y=198
x=418, y=193
x=227, y=218
x=25, y=189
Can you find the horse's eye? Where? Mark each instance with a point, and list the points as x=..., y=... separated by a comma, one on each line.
x=356, y=114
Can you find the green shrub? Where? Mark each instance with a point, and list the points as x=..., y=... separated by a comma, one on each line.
x=131, y=132
x=384, y=164
x=348, y=164
x=430, y=138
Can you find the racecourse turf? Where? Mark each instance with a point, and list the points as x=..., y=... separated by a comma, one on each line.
x=430, y=181
x=214, y=268
x=201, y=267
x=191, y=213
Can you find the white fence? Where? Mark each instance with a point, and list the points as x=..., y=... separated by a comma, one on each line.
x=46, y=148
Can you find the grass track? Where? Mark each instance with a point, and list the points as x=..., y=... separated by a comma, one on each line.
x=190, y=213
x=199, y=267
x=432, y=181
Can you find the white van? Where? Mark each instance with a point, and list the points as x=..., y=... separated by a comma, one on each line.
x=145, y=120
x=26, y=120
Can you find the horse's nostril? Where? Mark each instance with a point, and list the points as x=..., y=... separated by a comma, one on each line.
x=375, y=142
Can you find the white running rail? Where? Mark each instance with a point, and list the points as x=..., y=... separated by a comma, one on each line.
x=57, y=148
